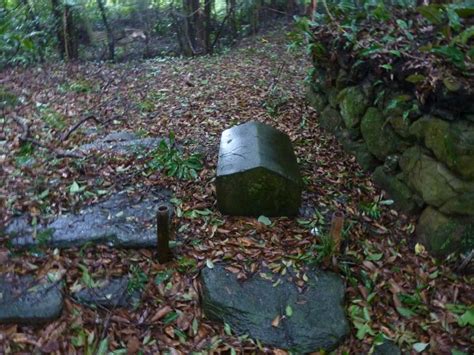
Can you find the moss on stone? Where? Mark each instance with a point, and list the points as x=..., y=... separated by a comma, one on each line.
x=443, y=235
x=379, y=137
x=353, y=103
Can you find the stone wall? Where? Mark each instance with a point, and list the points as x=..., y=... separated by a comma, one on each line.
x=419, y=150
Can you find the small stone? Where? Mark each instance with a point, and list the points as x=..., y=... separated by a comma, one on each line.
x=310, y=320
x=109, y=294
x=23, y=300
x=388, y=347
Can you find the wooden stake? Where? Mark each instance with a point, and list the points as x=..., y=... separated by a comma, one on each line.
x=337, y=223
x=163, y=234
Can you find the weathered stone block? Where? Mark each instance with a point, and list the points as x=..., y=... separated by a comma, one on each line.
x=24, y=300
x=317, y=100
x=379, y=137
x=353, y=103
x=330, y=119
x=432, y=180
x=359, y=149
x=257, y=172
x=401, y=194
x=309, y=321
x=442, y=234
x=120, y=221
x=451, y=143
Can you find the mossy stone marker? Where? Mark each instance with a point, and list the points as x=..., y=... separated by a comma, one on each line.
x=257, y=172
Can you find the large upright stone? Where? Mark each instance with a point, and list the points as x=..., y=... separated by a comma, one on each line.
x=257, y=172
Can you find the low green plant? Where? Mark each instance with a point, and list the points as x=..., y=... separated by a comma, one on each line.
x=274, y=101
x=174, y=163
x=51, y=117
x=77, y=86
x=361, y=319
x=186, y=264
x=138, y=279
x=371, y=209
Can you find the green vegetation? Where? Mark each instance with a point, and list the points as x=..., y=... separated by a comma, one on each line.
x=174, y=162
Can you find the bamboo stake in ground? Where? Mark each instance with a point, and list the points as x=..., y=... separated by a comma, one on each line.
x=337, y=222
x=163, y=234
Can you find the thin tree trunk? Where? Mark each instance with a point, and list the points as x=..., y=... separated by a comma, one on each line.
x=70, y=36
x=233, y=21
x=110, y=36
x=58, y=26
x=208, y=25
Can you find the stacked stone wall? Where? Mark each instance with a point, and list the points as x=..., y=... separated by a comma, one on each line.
x=420, y=150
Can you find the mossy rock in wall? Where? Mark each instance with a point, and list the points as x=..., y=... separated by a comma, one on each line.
x=342, y=79
x=451, y=143
x=432, y=180
x=330, y=119
x=379, y=137
x=257, y=172
x=353, y=103
x=400, y=125
x=401, y=194
x=359, y=149
x=460, y=205
x=442, y=234
x=332, y=95
x=316, y=100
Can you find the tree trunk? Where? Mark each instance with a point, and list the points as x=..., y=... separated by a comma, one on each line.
x=71, y=48
x=58, y=26
x=108, y=30
x=233, y=20
x=188, y=29
x=208, y=25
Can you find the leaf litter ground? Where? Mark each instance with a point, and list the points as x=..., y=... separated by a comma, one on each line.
x=391, y=289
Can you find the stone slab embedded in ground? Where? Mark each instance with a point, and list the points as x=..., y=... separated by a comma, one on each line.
x=24, y=300
x=317, y=320
x=120, y=221
x=110, y=293
x=120, y=142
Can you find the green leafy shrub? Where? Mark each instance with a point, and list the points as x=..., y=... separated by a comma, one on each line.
x=168, y=158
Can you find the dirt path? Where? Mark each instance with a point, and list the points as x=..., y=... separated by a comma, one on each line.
x=390, y=290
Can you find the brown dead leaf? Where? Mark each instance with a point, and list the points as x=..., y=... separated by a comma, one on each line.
x=276, y=321
x=160, y=314
x=133, y=345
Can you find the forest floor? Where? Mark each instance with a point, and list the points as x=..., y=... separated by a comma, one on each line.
x=391, y=287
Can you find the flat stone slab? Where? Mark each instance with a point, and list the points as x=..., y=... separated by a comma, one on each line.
x=120, y=221
x=121, y=142
x=24, y=300
x=257, y=172
x=308, y=321
x=109, y=294
x=388, y=347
